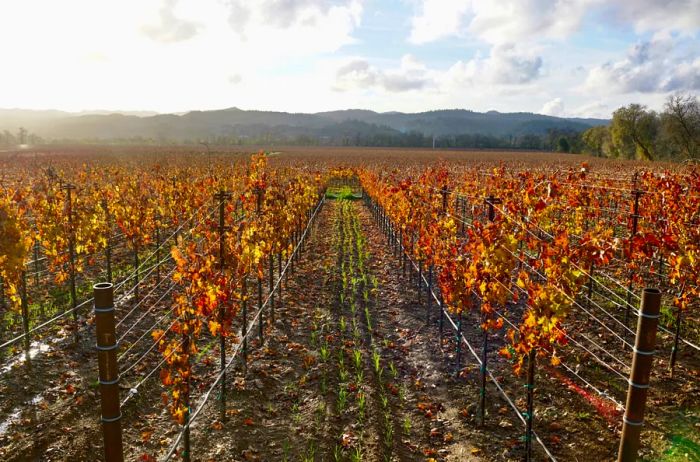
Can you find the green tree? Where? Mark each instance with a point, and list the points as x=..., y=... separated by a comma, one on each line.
x=596, y=140
x=634, y=131
x=681, y=124
x=563, y=145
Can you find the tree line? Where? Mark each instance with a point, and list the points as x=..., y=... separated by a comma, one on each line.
x=23, y=136
x=636, y=132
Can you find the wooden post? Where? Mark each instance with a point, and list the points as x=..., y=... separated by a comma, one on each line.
x=109, y=372
x=530, y=414
x=484, y=361
x=639, y=376
x=158, y=222
x=35, y=249
x=108, y=248
x=186, y=446
x=244, y=296
x=222, y=196
x=279, y=272
x=635, y=224
x=71, y=254
x=591, y=269
x=25, y=314
x=430, y=293
x=490, y=202
x=272, y=286
x=459, y=342
x=136, y=269
x=677, y=335
x=261, y=333
x=676, y=338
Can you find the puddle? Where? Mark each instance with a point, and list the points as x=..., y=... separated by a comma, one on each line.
x=14, y=416
x=35, y=349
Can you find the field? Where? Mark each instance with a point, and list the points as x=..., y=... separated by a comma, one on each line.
x=344, y=304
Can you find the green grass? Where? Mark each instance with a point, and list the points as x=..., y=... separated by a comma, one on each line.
x=681, y=442
x=342, y=193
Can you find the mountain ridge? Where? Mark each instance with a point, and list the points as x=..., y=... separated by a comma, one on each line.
x=236, y=122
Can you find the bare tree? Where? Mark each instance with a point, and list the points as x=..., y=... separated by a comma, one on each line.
x=681, y=123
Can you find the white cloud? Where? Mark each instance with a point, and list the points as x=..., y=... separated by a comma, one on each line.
x=656, y=66
x=170, y=28
x=359, y=74
x=594, y=109
x=506, y=65
x=330, y=22
x=534, y=20
x=438, y=19
x=554, y=107
x=655, y=15
x=498, y=22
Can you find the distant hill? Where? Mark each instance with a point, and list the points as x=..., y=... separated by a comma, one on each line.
x=234, y=122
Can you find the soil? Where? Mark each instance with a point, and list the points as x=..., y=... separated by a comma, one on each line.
x=286, y=404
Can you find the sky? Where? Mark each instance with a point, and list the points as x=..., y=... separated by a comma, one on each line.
x=573, y=58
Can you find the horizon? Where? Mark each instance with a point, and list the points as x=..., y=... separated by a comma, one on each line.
x=582, y=58
x=149, y=113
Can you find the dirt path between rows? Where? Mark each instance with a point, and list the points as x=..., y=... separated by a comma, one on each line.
x=336, y=379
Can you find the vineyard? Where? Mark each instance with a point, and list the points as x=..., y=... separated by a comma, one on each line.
x=346, y=305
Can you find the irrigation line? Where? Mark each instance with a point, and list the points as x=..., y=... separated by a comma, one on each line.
x=634, y=310
x=114, y=239
x=158, y=321
x=59, y=316
x=124, y=318
x=146, y=312
x=605, y=364
x=244, y=336
x=172, y=286
x=134, y=390
x=573, y=300
x=44, y=324
x=564, y=293
x=588, y=384
x=174, y=233
x=155, y=344
x=603, y=394
x=143, y=278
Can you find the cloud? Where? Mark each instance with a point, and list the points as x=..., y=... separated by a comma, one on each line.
x=659, y=15
x=498, y=22
x=554, y=107
x=503, y=21
x=245, y=15
x=359, y=74
x=595, y=109
x=506, y=65
x=656, y=66
x=438, y=19
x=171, y=29
x=235, y=79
